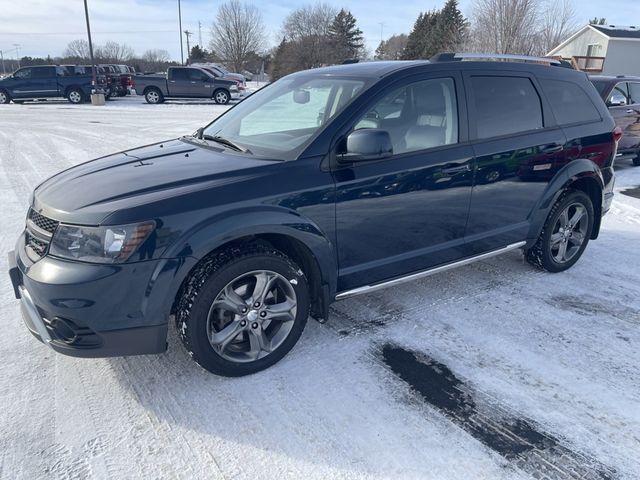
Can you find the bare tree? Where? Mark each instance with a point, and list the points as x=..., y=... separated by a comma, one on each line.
x=237, y=31
x=114, y=52
x=392, y=48
x=78, y=49
x=505, y=26
x=557, y=23
x=307, y=31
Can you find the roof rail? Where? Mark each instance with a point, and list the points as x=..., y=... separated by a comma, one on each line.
x=449, y=57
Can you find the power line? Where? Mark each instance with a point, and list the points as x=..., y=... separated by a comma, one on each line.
x=132, y=32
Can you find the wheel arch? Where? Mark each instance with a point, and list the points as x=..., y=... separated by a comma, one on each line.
x=304, y=243
x=581, y=174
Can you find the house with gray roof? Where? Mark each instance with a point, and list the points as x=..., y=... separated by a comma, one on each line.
x=603, y=49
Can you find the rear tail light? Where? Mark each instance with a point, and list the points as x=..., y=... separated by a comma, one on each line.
x=617, y=134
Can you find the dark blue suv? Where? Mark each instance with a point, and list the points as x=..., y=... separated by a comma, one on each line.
x=323, y=185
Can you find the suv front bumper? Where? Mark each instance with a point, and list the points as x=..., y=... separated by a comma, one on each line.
x=87, y=310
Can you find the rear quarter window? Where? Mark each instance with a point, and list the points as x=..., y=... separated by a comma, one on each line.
x=569, y=102
x=505, y=105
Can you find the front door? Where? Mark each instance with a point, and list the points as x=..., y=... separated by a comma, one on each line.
x=408, y=212
x=201, y=84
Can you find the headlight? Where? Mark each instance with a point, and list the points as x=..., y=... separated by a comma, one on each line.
x=233, y=88
x=108, y=244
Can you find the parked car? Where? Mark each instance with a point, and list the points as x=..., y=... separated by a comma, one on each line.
x=125, y=74
x=101, y=77
x=265, y=216
x=216, y=73
x=45, y=82
x=185, y=82
x=622, y=96
x=116, y=86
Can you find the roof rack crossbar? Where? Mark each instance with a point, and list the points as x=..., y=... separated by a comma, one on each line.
x=506, y=56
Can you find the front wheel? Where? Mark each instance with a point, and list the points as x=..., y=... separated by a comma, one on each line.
x=565, y=234
x=242, y=311
x=221, y=97
x=75, y=96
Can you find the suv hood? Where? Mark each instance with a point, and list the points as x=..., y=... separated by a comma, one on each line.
x=89, y=192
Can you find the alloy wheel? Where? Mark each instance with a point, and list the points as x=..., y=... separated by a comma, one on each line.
x=3, y=97
x=153, y=96
x=252, y=316
x=222, y=98
x=569, y=233
x=75, y=96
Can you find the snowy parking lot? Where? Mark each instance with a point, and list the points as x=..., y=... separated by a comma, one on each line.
x=494, y=370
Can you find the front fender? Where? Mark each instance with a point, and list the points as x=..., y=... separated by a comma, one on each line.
x=196, y=243
x=570, y=173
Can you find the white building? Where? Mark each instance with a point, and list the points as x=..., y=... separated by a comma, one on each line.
x=604, y=49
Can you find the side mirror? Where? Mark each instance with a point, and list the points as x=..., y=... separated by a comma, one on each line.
x=301, y=96
x=367, y=144
x=617, y=100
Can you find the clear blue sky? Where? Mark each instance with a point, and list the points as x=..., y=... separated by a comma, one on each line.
x=44, y=27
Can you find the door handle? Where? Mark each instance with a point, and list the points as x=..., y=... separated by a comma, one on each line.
x=553, y=148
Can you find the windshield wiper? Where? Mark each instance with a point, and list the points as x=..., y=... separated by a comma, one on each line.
x=226, y=142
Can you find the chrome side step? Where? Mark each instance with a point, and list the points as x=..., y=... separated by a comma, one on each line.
x=426, y=273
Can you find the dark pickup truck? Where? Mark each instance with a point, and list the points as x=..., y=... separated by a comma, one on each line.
x=185, y=82
x=45, y=81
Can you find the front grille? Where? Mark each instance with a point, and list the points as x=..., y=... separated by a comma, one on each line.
x=38, y=234
x=43, y=222
x=38, y=246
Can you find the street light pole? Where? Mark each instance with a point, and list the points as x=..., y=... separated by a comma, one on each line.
x=180, y=31
x=187, y=33
x=2, y=58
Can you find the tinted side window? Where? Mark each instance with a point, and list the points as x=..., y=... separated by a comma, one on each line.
x=417, y=116
x=180, y=74
x=569, y=102
x=197, y=75
x=505, y=105
x=634, y=92
x=620, y=91
x=43, y=72
x=23, y=74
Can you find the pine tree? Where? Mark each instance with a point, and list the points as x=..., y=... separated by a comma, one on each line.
x=452, y=28
x=345, y=36
x=197, y=54
x=423, y=37
x=598, y=21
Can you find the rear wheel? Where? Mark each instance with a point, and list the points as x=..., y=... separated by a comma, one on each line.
x=221, y=96
x=242, y=311
x=4, y=97
x=565, y=234
x=153, y=96
x=75, y=96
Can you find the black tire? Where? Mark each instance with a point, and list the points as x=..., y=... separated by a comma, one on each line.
x=636, y=161
x=4, y=97
x=490, y=175
x=213, y=276
x=153, y=96
x=75, y=96
x=221, y=96
x=541, y=254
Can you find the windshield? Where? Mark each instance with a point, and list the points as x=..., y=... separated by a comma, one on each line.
x=280, y=120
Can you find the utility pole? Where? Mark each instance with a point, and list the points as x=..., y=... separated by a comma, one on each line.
x=187, y=34
x=17, y=45
x=200, y=34
x=180, y=30
x=381, y=27
x=2, y=58
x=95, y=100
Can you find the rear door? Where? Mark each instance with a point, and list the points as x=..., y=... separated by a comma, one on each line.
x=178, y=82
x=633, y=127
x=408, y=212
x=518, y=148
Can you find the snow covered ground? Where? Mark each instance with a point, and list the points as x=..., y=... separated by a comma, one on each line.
x=491, y=371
